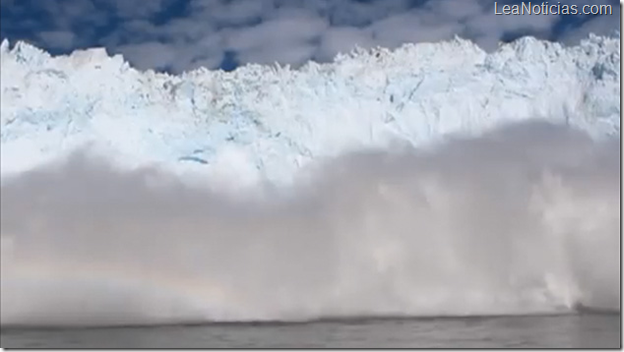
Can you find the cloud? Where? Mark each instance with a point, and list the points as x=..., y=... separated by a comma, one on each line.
x=70, y=15
x=354, y=13
x=288, y=40
x=134, y=31
x=229, y=13
x=194, y=32
x=294, y=55
x=58, y=39
x=373, y=233
x=278, y=32
x=411, y=27
x=599, y=25
x=149, y=55
x=458, y=9
x=180, y=29
x=177, y=57
x=129, y=9
x=488, y=30
x=342, y=40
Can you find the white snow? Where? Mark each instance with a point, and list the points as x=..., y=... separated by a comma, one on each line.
x=267, y=121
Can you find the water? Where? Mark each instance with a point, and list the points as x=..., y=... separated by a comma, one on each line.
x=562, y=331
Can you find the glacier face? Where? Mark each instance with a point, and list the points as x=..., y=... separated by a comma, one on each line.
x=264, y=122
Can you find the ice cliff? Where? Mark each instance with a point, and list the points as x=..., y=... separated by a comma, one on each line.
x=266, y=121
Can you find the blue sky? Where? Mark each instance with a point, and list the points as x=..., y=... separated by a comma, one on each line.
x=179, y=35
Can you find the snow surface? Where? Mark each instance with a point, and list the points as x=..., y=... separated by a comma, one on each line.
x=267, y=121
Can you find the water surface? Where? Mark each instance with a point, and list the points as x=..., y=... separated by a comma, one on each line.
x=562, y=331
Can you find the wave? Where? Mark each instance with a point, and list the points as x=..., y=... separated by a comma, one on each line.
x=523, y=219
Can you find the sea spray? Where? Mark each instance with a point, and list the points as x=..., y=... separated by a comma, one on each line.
x=522, y=219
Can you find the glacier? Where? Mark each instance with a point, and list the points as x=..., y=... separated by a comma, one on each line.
x=266, y=122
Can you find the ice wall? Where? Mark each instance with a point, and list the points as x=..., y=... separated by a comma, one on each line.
x=267, y=121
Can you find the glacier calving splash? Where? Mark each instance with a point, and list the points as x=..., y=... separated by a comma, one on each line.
x=435, y=180
x=262, y=122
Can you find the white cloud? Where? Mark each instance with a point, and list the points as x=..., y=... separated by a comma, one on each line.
x=181, y=29
x=457, y=9
x=58, y=39
x=209, y=63
x=207, y=52
x=412, y=27
x=276, y=33
x=64, y=14
x=294, y=55
x=600, y=25
x=223, y=13
x=342, y=40
x=353, y=13
x=291, y=31
x=132, y=9
x=149, y=55
x=487, y=30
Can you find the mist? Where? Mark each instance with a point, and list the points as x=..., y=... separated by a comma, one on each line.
x=524, y=219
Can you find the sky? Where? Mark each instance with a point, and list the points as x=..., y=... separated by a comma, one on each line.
x=181, y=35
